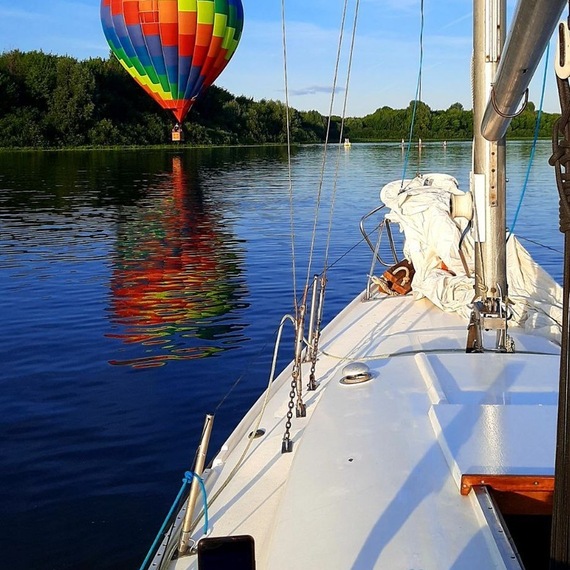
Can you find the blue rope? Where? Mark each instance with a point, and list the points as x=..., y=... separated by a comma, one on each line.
x=533, y=148
x=417, y=96
x=188, y=476
x=160, y=534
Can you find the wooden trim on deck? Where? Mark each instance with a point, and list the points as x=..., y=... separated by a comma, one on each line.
x=513, y=483
x=515, y=494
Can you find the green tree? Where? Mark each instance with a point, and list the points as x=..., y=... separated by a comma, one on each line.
x=71, y=106
x=49, y=100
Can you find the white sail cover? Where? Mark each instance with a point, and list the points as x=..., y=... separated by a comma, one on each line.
x=421, y=207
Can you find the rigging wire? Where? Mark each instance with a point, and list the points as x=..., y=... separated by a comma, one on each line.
x=246, y=371
x=343, y=117
x=289, y=167
x=417, y=97
x=343, y=255
x=533, y=148
x=323, y=164
x=543, y=245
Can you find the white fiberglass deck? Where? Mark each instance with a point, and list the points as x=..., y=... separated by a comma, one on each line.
x=374, y=477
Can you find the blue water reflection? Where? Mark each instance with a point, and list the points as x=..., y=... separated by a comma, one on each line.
x=137, y=286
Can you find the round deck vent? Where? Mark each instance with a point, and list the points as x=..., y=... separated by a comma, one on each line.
x=355, y=373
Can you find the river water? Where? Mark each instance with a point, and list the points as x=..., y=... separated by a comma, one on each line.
x=137, y=287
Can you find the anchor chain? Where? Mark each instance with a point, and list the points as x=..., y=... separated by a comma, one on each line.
x=313, y=384
x=287, y=444
x=296, y=382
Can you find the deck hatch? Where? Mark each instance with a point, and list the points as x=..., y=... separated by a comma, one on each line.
x=515, y=494
x=498, y=528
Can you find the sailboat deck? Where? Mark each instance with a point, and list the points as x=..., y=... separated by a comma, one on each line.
x=392, y=450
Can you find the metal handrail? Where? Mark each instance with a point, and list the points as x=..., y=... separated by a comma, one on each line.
x=383, y=225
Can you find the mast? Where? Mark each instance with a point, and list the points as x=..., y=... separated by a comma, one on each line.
x=500, y=80
x=488, y=182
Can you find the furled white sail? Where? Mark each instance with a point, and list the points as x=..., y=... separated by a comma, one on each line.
x=444, y=271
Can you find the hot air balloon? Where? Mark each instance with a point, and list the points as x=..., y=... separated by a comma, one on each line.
x=174, y=49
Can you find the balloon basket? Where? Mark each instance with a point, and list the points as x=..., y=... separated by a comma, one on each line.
x=177, y=134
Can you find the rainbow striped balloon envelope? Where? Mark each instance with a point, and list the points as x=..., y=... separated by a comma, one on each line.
x=174, y=49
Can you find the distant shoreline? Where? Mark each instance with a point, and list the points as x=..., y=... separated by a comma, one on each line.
x=184, y=147
x=52, y=102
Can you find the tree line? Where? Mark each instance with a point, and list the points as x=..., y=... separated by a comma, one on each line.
x=53, y=101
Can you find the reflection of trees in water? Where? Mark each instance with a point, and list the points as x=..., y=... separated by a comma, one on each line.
x=175, y=274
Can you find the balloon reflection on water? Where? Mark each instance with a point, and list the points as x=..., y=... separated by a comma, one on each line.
x=174, y=276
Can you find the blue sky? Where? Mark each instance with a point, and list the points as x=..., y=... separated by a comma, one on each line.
x=386, y=54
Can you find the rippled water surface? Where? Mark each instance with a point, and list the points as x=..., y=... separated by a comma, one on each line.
x=137, y=287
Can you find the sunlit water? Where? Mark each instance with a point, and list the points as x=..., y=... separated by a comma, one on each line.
x=138, y=286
